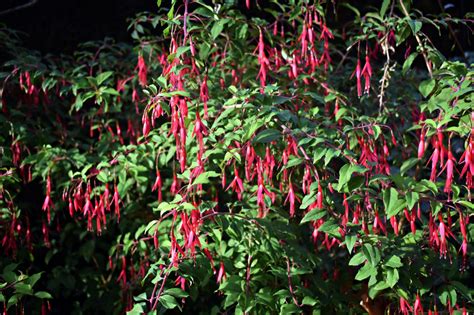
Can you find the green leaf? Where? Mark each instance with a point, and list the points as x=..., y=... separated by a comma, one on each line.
x=23, y=288
x=384, y=7
x=357, y=259
x=366, y=271
x=412, y=198
x=204, y=177
x=168, y=301
x=136, y=310
x=345, y=174
x=313, y=215
x=340, y=113
x=102, y=176
x=392, y=277
x=176, y=292
x=267, y=136
x=350, y=241
x=392, y=204
x=394, y=262
x=217, y=28
x=408, y=164
x=289, y=309
x=371, y=254
x=34, y=278
x=307, y=300
x=43, y=295
x=415, y=25
x=103, y=76
x=426, y=87
x=308, y=200
x=408, y=62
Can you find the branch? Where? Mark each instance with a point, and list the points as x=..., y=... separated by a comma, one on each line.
x=423, y=51
x=20, y=7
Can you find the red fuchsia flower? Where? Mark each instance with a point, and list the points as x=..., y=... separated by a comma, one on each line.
x=449, y=171
x=204, y=95
x=249, y=159
x=45, y=231
x=158, y=184
x=394, y=223
x=180, y=282
x=367, y=74
x=405, y=307
x=319, y=196
x=421, y=145
x=443, y=152
x=175, y=186
x=325, y=35
x=307, y=181
x=442, y=237
x=48, y=204
x=146, y=124
x=142, y=71
x=123, y=273
x=269, y=163
x=303, y=41
x=209, y=257
x=357, y=73
x=291, y=197
x=116, y=199
x=237, y=184
x=221, y=275
x=411, y=217
x=463, y=222
x=417, y=307
x=199, y=131
x=468, y=159
x=434, y=160
x=263, y=61
x=378, y=224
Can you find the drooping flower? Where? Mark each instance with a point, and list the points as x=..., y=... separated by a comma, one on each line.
x=367, y=74
x=357, y=73
x=142, y=71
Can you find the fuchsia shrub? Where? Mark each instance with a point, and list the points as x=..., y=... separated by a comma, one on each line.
x=249, y=158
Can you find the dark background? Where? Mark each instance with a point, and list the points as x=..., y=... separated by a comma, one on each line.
x=58, y=26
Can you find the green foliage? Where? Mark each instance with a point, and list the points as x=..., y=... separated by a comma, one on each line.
x=232, y=161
